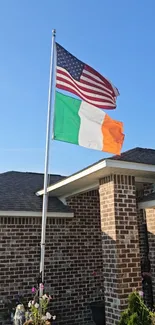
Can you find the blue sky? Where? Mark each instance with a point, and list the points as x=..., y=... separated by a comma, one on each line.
x=115, y=37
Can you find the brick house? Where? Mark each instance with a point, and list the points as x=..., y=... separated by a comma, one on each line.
x=100, y=235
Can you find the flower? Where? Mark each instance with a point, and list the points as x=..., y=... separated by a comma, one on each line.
x=141, y=293
x=29, y=304
x=41, y=286
x=48, y=315
x=33, y=289
x=38, y=308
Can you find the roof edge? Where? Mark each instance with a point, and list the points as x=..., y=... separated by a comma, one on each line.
x=107, y=163
x=78, y=175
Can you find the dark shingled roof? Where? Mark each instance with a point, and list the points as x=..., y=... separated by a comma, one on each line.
x=18, y=192
x=137, y=155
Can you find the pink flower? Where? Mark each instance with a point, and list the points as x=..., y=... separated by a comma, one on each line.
x=141, y=293
x=41, y=286
x=33, y=289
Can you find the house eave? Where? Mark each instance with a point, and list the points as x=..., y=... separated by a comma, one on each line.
x=86, y=178
x=147, y=204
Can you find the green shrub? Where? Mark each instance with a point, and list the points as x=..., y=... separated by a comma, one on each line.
x=137, y=313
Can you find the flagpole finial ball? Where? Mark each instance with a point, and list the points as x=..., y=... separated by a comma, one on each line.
x=54, y=32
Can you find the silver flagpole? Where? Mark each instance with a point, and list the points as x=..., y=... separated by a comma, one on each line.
x=45, y=196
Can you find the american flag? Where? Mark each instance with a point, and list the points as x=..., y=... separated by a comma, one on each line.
x=80, y=79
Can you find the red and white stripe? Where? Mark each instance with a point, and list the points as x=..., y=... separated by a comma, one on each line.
x=92, y=87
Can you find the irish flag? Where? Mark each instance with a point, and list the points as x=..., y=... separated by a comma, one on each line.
x=79, y=122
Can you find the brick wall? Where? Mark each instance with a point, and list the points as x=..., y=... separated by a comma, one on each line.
x=120, y=242
x=73, y=254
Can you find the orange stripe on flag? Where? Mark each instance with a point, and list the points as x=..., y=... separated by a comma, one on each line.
x=113, y=136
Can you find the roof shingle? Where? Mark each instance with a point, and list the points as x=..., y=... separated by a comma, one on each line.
x=18, y=192
x=137, y=155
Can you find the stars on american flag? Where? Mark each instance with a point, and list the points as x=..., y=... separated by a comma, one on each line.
x=69, y=62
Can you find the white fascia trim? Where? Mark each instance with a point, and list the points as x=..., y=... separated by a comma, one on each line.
x=75, y=177
x=147, y=205
x=36, y=214
x=129, y=165
x=105, y=163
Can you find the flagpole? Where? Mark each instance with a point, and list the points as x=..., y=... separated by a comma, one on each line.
x=45, y=196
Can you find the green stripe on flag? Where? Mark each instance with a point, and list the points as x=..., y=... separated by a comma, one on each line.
x=66, y=118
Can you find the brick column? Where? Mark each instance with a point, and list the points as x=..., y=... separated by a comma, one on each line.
x=120, y=245
x=150, y=220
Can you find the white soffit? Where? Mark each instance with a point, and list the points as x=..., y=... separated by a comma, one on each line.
x=86, y=178
x=147, y=204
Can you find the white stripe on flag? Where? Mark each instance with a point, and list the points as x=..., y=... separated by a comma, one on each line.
x=110, y=103
x=83, y=91
x=91, y=119
x=84, y=85
x=93, y=76
x=108, y=91
x=94, y=83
